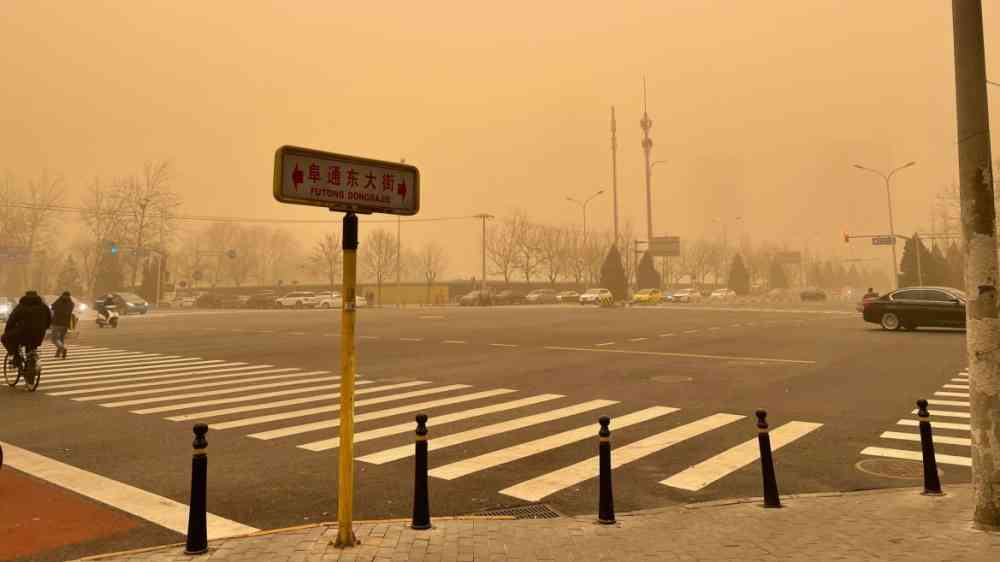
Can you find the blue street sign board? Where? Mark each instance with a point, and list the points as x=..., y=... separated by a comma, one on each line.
x=883, y=240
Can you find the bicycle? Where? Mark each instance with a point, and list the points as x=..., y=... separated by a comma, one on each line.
x=30, y=370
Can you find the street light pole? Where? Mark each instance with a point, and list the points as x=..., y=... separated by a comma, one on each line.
x=482, y=281
x=647, y=145
x=583, y=206
x=614, y=170
x=892, y=229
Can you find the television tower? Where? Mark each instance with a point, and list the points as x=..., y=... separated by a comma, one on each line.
x=647, y=144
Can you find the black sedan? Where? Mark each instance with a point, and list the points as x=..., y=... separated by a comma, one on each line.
x=912, y=307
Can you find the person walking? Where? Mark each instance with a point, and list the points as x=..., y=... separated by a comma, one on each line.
x=62, y=320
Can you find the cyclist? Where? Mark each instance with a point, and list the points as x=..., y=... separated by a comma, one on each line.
x=62, y=319
x=26, y=326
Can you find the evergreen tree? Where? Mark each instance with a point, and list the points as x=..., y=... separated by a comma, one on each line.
x=613, y=274
x=110, y=275
x=739, y=277
x=955, y=267
x=646, y=276
x=776, y=276
x=69, y=277
x=930, y=271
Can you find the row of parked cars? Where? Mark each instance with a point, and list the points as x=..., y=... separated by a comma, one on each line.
x=265, y=299
x=590, y=296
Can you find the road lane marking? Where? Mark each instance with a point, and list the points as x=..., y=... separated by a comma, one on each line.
x=78, y=358
x=454, y=341
x=228, y=368
x=938, y=439
x=948, y=403
x=735, y=325
x=159, y=510
x=638, y=339
x=224, y=391
x=690, y=331
x=368, y=337
x=131, y=365
x=666, y=335
x=915, y=456
x=952, y=394
x=960, y=380
x=503, y=345
x=957, y=386
x=118, y=360
x=431, y=317
x=946, y=414
x=937, y=425
x=117, y=375
x=437, y=421
x=607, y=343
x=714, y=328
x=184, y=385
x=683, y=355
x=248, y=398
x=196, y=376
x=548, y=484
x=523, y=450
x=411, y=339
x=706, y=472
x=319, y=398
x=396, y=453
x=311, y=411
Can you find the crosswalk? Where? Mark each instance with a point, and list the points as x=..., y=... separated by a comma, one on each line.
x=952, y=443
x=474, y=429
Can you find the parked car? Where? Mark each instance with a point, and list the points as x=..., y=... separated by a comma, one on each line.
x=6, y=305
x=568, y=296
x=913, y=307
x=541, y=296
x=812, y=294
x=508, y=297
x=209, y=300
x=722, y=294
x=233, y=301
x=594, y=296
x=686, y=295
x=261, y=300
x=476, y=298
x=130, y=303
x=330, y=300
x=297, y=299
x=647, y=296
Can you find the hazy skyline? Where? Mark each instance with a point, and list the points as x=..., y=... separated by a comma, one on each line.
x=759, y=108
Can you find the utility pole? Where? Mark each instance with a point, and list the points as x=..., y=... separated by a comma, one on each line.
x=614, y=170
x=647, y=144
x=482, y=281
x=399, y=252
x=978, y=212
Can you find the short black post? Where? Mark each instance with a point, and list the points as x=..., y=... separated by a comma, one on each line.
x=421, y=503
x=766, y=462
x=197, y=535
x=606, y=502
x=932, y=485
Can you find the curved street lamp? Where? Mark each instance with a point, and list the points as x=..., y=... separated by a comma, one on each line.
x=583, y=205
x=892, y=230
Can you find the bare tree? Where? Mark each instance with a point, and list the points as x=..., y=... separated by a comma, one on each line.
x=327, y=256
x=243, y=265
x=148, y=203
x=378, y=257
x=433, y=262
x=501, y=249
x=526, y=241
x=552, y=244
x=575, y=257
x=27, y=218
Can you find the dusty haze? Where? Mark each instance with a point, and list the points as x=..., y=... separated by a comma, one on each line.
x=760, y=107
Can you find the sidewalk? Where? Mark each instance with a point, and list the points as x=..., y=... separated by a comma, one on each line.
x=878, y=525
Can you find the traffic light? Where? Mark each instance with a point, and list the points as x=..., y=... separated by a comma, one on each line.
x=846, y=238
x=111, y=247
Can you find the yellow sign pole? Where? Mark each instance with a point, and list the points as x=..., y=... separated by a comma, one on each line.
x=345, y=480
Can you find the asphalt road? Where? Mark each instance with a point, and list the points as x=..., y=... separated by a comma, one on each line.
x=688, y=378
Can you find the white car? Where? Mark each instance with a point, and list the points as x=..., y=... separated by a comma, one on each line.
x=686, y=295
x=594, y=296
x=297, y=299
x=722, y=294
x=329, y=300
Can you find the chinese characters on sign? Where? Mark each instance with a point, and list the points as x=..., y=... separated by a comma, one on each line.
x=345, y=183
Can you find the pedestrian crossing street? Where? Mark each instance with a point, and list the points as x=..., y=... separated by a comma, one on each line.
x=952, y=443
x=299, y=407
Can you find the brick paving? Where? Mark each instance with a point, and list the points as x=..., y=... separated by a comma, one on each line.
x=878, y=525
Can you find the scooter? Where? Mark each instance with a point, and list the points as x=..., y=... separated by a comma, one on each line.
x=111, y=320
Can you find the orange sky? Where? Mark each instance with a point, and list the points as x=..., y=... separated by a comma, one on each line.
x=759, y=107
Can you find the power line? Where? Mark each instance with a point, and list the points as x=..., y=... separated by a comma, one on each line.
x=209, y=218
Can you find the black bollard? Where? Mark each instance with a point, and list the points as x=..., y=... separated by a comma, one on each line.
x=421, y=503
x=197, y=535
x=766, y=462
x=606, y=502
x=932, y=485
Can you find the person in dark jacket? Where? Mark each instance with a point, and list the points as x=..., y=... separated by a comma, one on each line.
x=62, y=319
x=26, y=326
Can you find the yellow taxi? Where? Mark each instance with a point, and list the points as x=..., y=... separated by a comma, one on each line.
x=647, y=296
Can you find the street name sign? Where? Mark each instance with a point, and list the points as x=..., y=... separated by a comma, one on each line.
x=883, y=241
x=350, y=184
x=668, y=246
